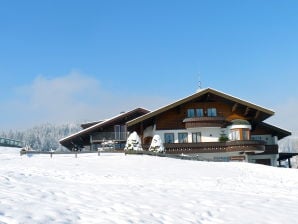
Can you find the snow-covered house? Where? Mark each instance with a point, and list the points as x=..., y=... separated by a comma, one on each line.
x=214, y=126
x=108, y=133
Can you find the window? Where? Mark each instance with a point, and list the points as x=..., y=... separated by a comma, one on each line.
x=120, y=131
x=211, y=112
x=183, y=137
x=169, y=137
x=191, y=113
x=200, y=112
x=196, y=137
x=235, y=134
x=245, y=134
x=117, y=131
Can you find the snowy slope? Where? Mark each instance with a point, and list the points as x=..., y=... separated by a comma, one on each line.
x=114, y=188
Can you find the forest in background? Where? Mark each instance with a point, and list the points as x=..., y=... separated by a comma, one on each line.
x=43, y=137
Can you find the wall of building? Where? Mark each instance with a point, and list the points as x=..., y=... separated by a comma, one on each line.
x=221, y=157
x=269, y=139
x=272, y=157
x=208, y=134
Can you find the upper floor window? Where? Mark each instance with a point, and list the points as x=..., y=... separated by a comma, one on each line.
x=245, y=134
x=199, y=112
x=240, y=134
x=120, y=132
x=235, y=134
x=183, y=137
x=191, y=113
x=211, y=112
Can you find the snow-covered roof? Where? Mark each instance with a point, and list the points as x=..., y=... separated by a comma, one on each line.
x=103, y=123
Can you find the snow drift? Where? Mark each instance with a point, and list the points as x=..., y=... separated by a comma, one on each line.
x=114, y=188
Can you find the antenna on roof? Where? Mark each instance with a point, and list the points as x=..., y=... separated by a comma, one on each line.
x=200, y=83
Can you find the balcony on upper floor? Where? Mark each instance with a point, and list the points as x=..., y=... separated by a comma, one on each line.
x=217, y=120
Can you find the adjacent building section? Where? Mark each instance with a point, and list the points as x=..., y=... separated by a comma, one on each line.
x=110, y=133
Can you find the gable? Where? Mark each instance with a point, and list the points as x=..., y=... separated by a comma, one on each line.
x=232, y=107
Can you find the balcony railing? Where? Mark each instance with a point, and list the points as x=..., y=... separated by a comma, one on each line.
x=205, y=121
x=212, y=147
x=108, y=136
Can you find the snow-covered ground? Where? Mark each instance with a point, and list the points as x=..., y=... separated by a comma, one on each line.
x=114, y=188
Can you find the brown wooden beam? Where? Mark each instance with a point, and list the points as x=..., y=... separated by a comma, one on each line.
x=234, y=107
x=246, y=111
x=257, y=114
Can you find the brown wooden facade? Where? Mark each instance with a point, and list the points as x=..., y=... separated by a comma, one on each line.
x=228, y=109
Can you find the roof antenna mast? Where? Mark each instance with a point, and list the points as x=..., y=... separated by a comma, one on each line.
x=200, y=83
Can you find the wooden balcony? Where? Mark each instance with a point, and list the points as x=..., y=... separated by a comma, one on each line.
x=205, y=121
x=100, y=137
x=214, y=147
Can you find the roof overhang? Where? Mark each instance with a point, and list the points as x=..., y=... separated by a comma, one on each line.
x=276, y=131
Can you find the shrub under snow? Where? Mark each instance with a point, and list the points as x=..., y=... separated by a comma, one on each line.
x=156, y=144
x=133, y=142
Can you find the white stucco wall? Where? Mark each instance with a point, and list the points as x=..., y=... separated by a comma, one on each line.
x=207, y=134
x=149, y=131
x=272, y=157
x=239, y=126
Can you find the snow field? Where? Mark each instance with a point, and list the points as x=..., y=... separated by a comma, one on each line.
x=114, y=188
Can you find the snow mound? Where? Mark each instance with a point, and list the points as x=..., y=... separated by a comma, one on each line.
x=133, y=142
x=156, y=144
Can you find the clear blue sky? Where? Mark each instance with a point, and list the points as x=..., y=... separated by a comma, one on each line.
x=143, y=53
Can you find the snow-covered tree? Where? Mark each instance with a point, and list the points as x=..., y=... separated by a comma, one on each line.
x=44, y=137
x=133, y=142
x=156, y=144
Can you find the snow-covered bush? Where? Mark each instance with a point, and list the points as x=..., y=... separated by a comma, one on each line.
x=133, y=142
x=156, y=144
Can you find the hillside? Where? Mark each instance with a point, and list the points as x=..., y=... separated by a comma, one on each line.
x=113, y=188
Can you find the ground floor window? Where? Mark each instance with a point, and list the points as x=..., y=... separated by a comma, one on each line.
x=196, y=137
x=183, y=137
x=169, y=137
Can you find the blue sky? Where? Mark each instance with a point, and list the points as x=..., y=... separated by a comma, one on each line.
x=67, y=61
